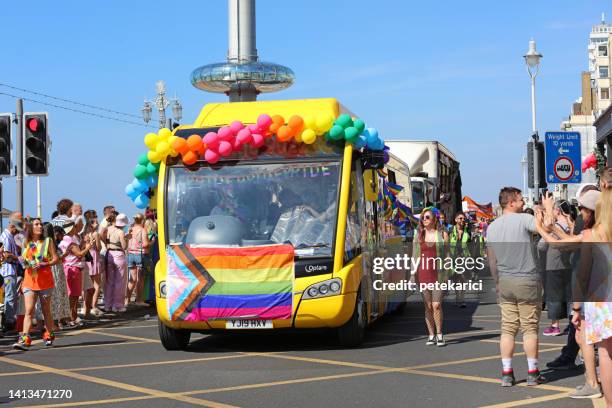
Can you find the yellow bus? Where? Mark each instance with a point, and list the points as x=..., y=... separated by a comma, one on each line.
x=302, y=222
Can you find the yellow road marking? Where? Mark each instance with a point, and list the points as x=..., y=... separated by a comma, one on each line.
x=125, y=327
x=475, y=359
x=528, y=401
x=294, y=381
x=116, y=384
x=94, y=402
x=152, y=363
x=520, y=342
x=482, y=379
x=123, y=336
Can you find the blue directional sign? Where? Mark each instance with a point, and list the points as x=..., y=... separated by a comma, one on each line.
x=563, y=157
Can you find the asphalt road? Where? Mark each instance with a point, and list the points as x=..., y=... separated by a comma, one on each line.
x=120, y=363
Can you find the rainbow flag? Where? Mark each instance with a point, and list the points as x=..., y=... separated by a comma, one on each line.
x=394, y=188
x=230, y=283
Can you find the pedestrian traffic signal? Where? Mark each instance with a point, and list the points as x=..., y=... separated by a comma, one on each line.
x=541, y=165
x=5, y=144
x=35, y=144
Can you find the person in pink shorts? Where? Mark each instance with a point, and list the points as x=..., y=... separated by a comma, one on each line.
x=72, y=266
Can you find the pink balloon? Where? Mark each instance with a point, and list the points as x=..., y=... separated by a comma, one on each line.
x=237, y=145
x=258, y=140
x=244, y=136
x=584, y=167
x=236, y=126
x=264, y=121
x=225, y=133
x=211, y=156
x=211, y=139
x=253, y=128
x=225, y=148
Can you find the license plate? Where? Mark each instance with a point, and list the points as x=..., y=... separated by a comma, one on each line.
x=249, y=324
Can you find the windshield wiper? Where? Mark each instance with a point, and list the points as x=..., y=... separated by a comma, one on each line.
x=318, y=245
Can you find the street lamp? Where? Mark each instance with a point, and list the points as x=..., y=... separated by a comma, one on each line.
x=161, y=102
x=532, y=60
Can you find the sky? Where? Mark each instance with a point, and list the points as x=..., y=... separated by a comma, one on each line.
x=446, y=70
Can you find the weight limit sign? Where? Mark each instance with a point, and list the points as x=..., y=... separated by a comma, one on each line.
x=564, y=168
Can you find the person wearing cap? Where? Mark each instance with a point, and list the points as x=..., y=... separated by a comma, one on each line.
x=116, y=265
x=591, y=389
x=72, y=262
x=8, y=270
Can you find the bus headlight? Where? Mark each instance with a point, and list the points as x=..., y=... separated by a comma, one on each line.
x=326, y=288
x=312, y=291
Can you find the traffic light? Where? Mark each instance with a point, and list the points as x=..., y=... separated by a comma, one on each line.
x=541, y=165
x=5, y=144
x=35, y=144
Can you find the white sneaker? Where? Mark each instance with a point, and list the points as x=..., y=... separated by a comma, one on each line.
x=431, y=340
x=440, y=340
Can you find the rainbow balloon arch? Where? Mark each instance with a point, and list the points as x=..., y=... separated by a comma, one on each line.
x=228, y=139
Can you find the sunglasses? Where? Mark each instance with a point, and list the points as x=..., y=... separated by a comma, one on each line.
x=427, y=217
x=460, y=219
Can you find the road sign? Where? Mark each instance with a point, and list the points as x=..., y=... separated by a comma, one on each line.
x=563, y=157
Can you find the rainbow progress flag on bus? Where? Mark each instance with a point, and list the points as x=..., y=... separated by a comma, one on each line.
x=232, y=283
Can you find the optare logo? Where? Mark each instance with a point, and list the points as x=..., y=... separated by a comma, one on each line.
x=315, y=268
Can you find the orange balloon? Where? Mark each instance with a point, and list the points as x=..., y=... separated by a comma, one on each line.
x=274, y=127
x=296, y=122
x=284, y=133
x=278, y=120
x=194, y=142
x=190, y=158
x=180, y=145
x=202, y=149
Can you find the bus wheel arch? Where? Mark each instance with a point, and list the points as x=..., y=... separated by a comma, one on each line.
x=173, y=339
x=351, y=333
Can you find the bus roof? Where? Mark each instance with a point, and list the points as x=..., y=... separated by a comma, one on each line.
x=220, y=114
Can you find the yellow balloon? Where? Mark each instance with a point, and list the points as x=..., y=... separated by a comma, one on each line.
x=323, y=123
x=163, y=148
x=309, y=136
x=309, y=121
x=298, y=137
x=150, y=140
x=173, y=153
x=164, y=133
x=153, y=156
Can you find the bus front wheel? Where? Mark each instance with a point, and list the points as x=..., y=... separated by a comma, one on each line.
x=173, y=339
x=352, y=332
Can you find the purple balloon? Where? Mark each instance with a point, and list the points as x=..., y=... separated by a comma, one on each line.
x=385, y=156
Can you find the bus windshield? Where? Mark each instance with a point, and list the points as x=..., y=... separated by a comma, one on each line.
x=254, y=204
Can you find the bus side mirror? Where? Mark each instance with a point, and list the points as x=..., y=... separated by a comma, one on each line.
x=370, y=185
x=373, y=159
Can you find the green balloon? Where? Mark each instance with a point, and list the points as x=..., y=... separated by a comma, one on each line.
x=143, y=159
x=336, y=132
x=350, y=134
x=327, y=137
x=344, y=120
x=141, y=172
x=359, y=125
x=151, y=169
x=157, y=165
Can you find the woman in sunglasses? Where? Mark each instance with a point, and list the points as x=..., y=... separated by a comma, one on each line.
x=429, y=245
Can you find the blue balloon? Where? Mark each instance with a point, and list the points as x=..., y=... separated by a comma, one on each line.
x=152, y=181
x=371, y=135
x=377, y=144
x=140, y=185
x=129, y=190
x=142, y=201
x=360, y=142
